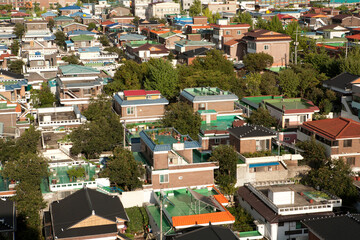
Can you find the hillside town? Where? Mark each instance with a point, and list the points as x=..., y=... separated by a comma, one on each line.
x=177, y=120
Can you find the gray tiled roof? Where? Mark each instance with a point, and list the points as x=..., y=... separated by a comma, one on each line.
x=122, y=102
x=193, y=98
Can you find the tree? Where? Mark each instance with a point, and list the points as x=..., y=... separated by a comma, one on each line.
x=195, y=9
x=244, y=17
x=117, y=51
x=72, y=59
x=123, y=170
x=19, y=30
x=75, y=173
x=255, y=62
x=104, y=40
x=314, y=153
x=16, y=66
x=51, y=23
x=91, y=26
x=212, y=18
x=351, y=63
x=335, y=177
x=268, y=85
x=262, y=117
x=43, y=97
x=252, y=83
x=289, y=82
x=243, y=220
x=60, y=39
x=162, y=76
x=181, y=116
x=225, y=176
x=275, y=25
x=15, y=47
x=261, y=23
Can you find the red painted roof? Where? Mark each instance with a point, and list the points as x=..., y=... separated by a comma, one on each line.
x=20, y=14
x=108, y=22
x=284, y=16
x=6, y=55
x=128, y=93
x=191, y=220
x=355, y=37
x=336, y=128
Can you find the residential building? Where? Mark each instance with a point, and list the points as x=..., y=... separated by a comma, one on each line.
x=125, y=38
x=190, y=208
x=142, y=51
x=7, y=32
x=83, y=214
x=41, y=62
x=328, y=228
x=171, y=162
x=223, y=7
x=37, y=31
x=62, y=20
x=346, y=20
x=66, y=11
x=161, y=9
x=227, y=32
x=187, y=45
x=83, y=41
x=340, y=137
x=275, y=44
x=8, y=218
x=47, y=3
x=73, y=26
x=169, y=39
x=136, y=106
x=282, y=3
x=14, y=3
x=189, y=56
x=119, y=11
x=207, y=232
x=280, y=206
x=96, y=58
x=333, y=31
x=76, y=85
x=315, y=21
x=139, y=8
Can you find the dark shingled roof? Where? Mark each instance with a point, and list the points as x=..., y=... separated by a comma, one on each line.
x=341, y=81
x=251, y=131
x=81, y=205
x=11, y=74
x=333, y=228
x=208, y=233
x=7, y=213
x=194, y=52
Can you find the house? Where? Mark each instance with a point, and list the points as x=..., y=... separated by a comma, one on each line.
x=142, y=51
x=8, y=218
x=282, y=3
x=226, y=32
x=333, y=31
x=76, y=85
x=186, y=45
x=119, y=11
x=138, y=106
x=83, y=41
x=280, y=206
x=222, y=7
x=207, y=232
x=62, y=20
x=83, y=214
x=125, y=38
x=346, y=20
x=96, y=58
x=180, y=215
x=275, y=44
x=41, y=63
x=234, y=50
x=73, y=26
x=328, y=228
x=189, y=56
x=315, y=21
x=160, y=9
x=7, y=32
x=139, y=8
x=14, y=87
x=171, y=160
x=123, y=19
x=66, y=11
x=37, y=31
x=169, y=39
x=341, y=83
x=262, y=157
x=339, y=136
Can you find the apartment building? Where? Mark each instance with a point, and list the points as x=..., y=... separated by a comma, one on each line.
x=227, y=32
x=161, y=9
x=139, y=8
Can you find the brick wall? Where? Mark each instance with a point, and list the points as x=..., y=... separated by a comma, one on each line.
x=144, y=111
x=247, y=146
x=74, y=27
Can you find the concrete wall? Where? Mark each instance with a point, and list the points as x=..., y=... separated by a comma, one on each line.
x=136, y=198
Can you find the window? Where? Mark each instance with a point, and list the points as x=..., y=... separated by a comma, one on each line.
x=227, y=33
x=164, y=178
x=287, y=139
x=202, y=106
x=238, y=32
x=262, y=145
x=130, y=110
x=217, y=140
x=348, y=143
x=281, y=224
x=266, y=47
x=87, y=91
x=302, y=118
x=350, y=160
x=40, y=63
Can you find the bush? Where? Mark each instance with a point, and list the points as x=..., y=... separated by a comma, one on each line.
x=257, y=154
x=138, y=220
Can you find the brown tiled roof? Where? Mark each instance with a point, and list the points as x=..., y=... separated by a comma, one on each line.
x=266, y=35
x=241, y=25
x=232, y=42
x=158, y=48
x=331, y=26
x=340, y=16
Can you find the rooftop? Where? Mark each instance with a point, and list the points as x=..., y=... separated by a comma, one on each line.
x=82, y=37
x=58, y=175
x=220, y=125
x=251, y=131
x=341, y=81
x=72, y=69
x=194, y=43
x=292, y=105
x=135, y=44
x=207, y=94
x=255, y=101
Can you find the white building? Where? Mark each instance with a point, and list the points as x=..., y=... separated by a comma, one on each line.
x=139, y=7
x=160, y=9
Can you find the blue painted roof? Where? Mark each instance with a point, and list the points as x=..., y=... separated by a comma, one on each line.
x=49, y=14
x=3, y=47
x=7, y=36
x=52, y=37
x=263, y=164
x=139, y=102
x=80, y=14
x=80, y=32
x=73, y=7
x=89, y=49
x=17, y=85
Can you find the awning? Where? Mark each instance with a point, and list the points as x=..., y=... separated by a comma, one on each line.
x=264, y=164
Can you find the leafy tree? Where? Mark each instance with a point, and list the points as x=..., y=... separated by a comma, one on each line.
x=262, y=117
x=212, y=18
x=255, y=62
x=8, y=150
x=136, y=21
x=163, y=77
x=128, y=76
x=308, y=76
x=351, y=63
x=195, y=8
x=261, y=23
x=335, y=177
x=16, y=66
x=181, y=116
x=104, y=40
x=275, y=24
x=268, y=85
x=76, y=172
x=91, y=26
x=243, y=220
x=60, y=39
x=19, y=30
x=253, y=81
x=289, y=82
x=72, y=59
x=15, y=47
x=225, y=176
x=123, y=170
x=51, y=23
x=314, y=153
x=115, y=50
x=43, y=97
x=322, y=62
x=244, y=17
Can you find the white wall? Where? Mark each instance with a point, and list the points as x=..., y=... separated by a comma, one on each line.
x=136, y=198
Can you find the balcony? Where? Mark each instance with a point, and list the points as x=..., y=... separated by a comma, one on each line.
x=36, y=57
x=42, y=69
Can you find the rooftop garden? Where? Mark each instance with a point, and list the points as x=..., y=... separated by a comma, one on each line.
x=162, y=136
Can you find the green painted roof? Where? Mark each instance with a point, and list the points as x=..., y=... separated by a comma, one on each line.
x=168, y=34
x=82, y=38
x=249, y=234
x=63, y=18
x=140, y=43
x=194, y=43
x=206, y=111
x=72, y=69
x=289, y=103
x=257, y=100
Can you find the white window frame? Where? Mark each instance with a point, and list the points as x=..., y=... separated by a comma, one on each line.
x=165, y=176
x=217, y=140
x=132, y=110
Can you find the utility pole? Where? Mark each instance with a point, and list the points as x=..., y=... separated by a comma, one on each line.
x=296, y=44
x=161, y=217
x=346, y=49
x=124, y=137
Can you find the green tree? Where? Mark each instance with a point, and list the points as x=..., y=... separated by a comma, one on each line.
x=268, y=85
x=244, y=17
x=91, y=26
x=60, y=39
x=255, y=62
x=253, y=81
x=16, y=66
x=75, y=173
x=243, y=220
x=334, y=177
x=262, y=117
x=289, y=82
x=261, y=23
x=323, y=62
x=212, y=18
x=195, y=8
x=15, y=47
x=225, y=176
x=43, y=97
x=104, y=40
x=72, y=59
x=123, y=170
x=314, y=153
x=351, y=63
x=181, y=116
x=8, y=150
x=275, y=25
x=51, y=24
x=19, y=30
x=117, y=51
x=162, y=76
